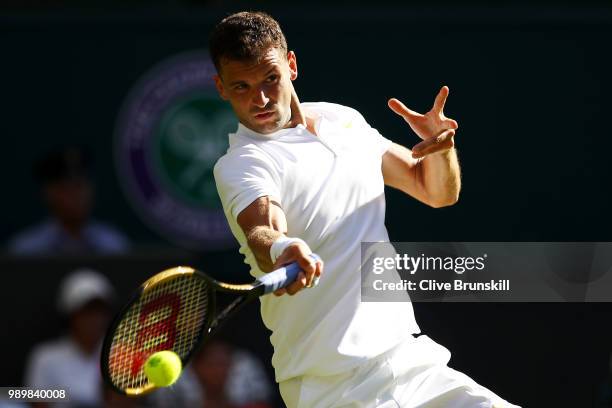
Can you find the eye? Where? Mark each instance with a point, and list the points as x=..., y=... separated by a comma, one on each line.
x=240, y=87
x=272, y=78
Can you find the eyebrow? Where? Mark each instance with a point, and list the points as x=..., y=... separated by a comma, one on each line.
x=242, y=82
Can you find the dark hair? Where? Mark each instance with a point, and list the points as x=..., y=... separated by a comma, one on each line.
x=245, y=36
x=67, y=163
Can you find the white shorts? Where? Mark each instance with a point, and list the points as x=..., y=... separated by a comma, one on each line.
x=413, y=374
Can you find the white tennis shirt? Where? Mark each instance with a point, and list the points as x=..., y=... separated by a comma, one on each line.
x=331, y=190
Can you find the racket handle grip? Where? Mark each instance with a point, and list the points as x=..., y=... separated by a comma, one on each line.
x=282, y=277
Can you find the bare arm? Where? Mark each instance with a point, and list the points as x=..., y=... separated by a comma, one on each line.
x=430, y=171
x=263, y=222
x=434, y=179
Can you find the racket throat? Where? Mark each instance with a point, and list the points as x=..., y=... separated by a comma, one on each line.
x=227, y=311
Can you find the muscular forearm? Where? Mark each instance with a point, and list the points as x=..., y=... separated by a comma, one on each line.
x=260, y=239
x=440, y=176
x=262, y=222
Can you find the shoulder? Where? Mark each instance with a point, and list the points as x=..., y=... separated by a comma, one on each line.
x=333, y=111
x=34, y=239
x=51, y=353
x=108, y=237
x=240, y=158
x=46, y=360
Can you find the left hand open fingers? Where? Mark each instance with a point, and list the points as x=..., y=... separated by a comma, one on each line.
x=443, y=141
x=398, y=107
x=441, y=99
x=450, y=124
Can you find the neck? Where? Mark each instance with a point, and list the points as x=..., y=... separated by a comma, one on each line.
x=84, y=345
x=298, y=116
x=73, y=228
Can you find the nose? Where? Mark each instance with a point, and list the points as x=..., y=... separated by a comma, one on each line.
x=260, y=99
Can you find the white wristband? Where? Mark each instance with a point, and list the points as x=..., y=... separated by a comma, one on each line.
x=281, y=244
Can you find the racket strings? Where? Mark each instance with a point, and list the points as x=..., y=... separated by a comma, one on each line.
x=169, y=315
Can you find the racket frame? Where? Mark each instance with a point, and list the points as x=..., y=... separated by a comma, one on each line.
x=156, y=279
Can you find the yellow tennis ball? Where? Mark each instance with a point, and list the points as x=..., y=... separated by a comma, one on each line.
x=163, y=368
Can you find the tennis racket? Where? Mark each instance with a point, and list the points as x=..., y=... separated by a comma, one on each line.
x=174, y=310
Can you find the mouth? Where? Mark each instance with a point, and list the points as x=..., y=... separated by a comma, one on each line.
x=264, y=115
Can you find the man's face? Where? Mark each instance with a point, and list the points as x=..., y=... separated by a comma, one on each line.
x=260, y=93
x=212, y=366
x=89, y=322
x=69, y=200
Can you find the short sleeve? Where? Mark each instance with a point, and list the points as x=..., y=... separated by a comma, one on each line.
x=373, y=139
x=36, y=373
x=242, y=178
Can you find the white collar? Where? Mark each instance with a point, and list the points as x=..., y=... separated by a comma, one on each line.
x=299, y=129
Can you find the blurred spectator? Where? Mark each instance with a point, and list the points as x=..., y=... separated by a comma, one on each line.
x=220, y=376
x=7, y=403
x=73, y=362
x=68, y=193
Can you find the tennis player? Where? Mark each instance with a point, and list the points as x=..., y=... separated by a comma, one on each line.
x=309, y=177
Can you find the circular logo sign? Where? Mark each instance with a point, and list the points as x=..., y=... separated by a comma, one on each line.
x=171, y=130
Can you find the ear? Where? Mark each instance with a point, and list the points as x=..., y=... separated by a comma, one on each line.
x=220, y=87
x=292, y=59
